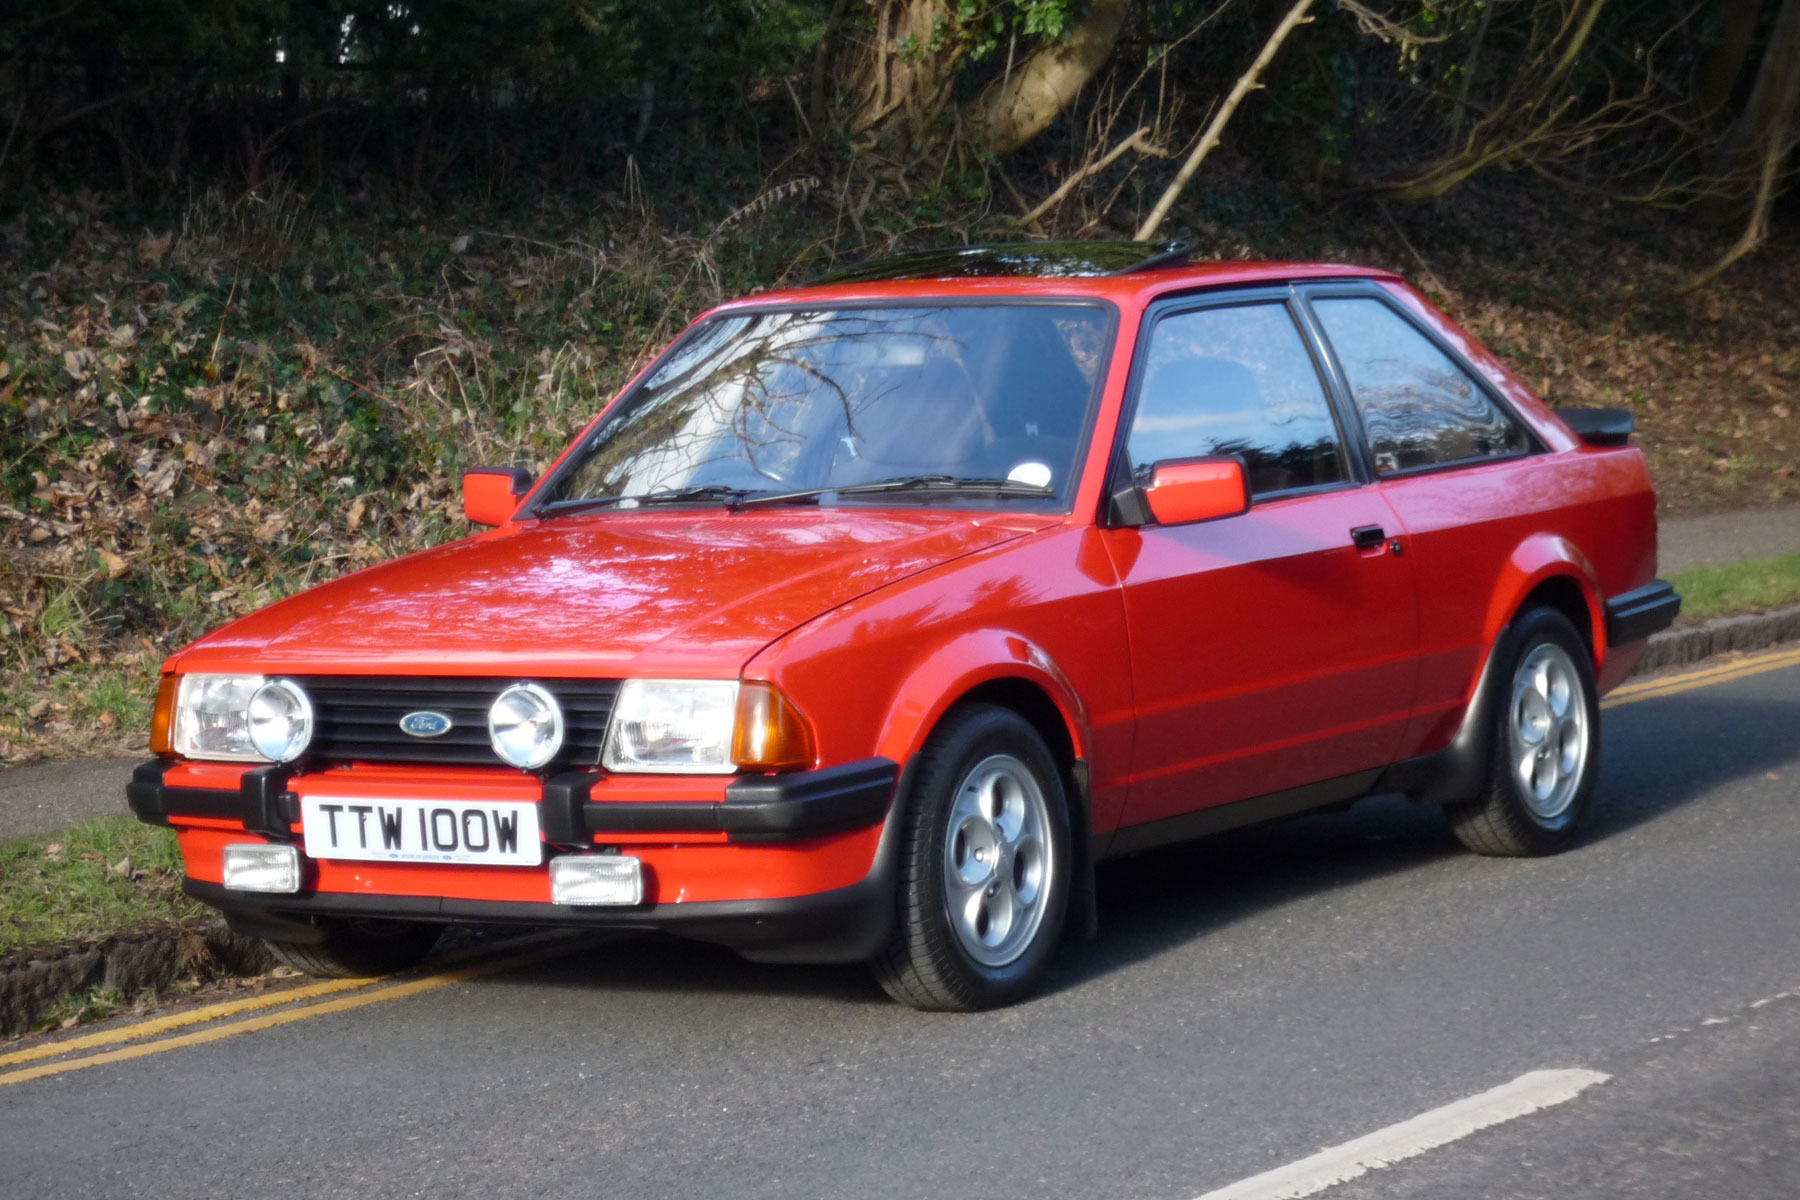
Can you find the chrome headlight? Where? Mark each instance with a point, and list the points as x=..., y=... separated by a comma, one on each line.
x=674, y=725
x=525, y=726
x=281, y=720
x=212, y=717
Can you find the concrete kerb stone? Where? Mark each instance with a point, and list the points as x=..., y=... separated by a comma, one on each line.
x=155, y=956
x=1752, y=631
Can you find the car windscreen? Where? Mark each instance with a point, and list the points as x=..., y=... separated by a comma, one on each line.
x=767, y=403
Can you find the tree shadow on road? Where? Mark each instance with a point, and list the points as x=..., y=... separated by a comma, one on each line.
x=1658, y=757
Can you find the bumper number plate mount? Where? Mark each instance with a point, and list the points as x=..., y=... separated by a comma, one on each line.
x=500, y=832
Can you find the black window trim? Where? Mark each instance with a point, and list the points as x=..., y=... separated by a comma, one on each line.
x=534, y=504
x=1233, y=296
x=1305, y=294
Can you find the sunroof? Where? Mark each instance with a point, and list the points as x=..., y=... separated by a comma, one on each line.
x=1034, y=260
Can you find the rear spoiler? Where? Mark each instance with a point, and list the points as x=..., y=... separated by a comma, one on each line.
x=1599, y=426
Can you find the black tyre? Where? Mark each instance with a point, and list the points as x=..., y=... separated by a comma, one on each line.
x=1544, y=745
x=355, y=948
x=984, y=866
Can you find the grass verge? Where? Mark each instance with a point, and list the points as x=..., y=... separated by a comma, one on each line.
x=1742, y=587
x=99, y=877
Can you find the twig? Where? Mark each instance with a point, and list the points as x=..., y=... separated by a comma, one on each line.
x=373, y=395
x=1382, y=26
x=1134, y=142
x=1425, y=271
x=1756, y=229
x=213, y=358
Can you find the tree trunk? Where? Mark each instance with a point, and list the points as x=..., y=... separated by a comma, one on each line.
x=1768, y=116
x=1020, y=106
x=901, y=84
x=1719, y=74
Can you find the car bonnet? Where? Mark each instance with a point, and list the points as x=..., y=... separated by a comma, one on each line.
x=683, y=591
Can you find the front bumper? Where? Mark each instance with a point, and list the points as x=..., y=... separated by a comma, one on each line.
x=768, y=808
x=848, y=924
x=792, y=868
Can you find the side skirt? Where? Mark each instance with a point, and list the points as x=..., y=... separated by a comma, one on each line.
x=1217, y=819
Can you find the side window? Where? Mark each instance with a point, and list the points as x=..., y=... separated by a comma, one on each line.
x=1236, y=380
x=1418, y=407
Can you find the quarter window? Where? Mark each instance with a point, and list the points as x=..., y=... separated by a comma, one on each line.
x=1236, y=380
x=1418, y=407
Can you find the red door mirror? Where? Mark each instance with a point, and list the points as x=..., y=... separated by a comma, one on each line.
x=491, y=494
x=1184, y=490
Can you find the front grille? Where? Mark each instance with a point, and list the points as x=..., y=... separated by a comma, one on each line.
x=357, y=717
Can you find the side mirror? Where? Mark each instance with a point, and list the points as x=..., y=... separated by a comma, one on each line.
x=491, y=494
x=1185, y=490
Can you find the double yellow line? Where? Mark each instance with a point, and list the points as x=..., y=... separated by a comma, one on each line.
x=145, y=1037
x=290, y=1004
x=1687, y=681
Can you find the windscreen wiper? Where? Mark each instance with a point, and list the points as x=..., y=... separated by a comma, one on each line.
x=730, y=497
x=907, y=483
x=737, y=499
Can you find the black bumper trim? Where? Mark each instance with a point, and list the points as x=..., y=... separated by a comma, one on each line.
x=261, y=799
x=1637, y=614
x=755, y=809
x=775, y=807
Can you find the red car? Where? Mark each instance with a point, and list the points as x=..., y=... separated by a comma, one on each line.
x=873, y=614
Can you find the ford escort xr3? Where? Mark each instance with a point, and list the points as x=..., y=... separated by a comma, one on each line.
x=873, y=614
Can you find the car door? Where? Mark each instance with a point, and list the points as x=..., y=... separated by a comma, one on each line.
x=1274, y=650
x=1457, y=467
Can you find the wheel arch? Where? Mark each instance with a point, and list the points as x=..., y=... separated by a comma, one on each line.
x=1545, y=570
x=993, y=663
x=1551, y=570
x=1008, y=671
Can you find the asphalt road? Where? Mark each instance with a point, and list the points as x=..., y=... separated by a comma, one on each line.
x=1251, y=1000
x=49, y=796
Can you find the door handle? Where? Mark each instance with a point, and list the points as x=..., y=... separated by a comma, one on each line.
x=1367, y=537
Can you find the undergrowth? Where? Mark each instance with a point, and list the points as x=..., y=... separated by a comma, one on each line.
x=204, y=411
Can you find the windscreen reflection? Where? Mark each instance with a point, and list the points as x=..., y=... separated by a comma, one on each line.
x=772, y=402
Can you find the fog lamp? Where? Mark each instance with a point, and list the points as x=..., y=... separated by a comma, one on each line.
x=281, y=720
x=256, y=867
x=525, y=726
x=596, y=879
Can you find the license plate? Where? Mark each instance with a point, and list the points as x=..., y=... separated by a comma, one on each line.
x=439, y=831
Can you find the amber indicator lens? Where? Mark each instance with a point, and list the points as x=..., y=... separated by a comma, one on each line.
x=162, y=722
x=771, y=735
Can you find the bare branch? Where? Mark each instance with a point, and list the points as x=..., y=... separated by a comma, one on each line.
x=1756, y=229
x=1134, y=142
x=1247, y=83
x=1382, y=26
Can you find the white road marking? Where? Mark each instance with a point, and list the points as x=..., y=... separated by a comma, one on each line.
x=1529, y=1093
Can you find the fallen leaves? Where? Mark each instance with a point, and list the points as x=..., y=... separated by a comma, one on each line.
x=152, y=248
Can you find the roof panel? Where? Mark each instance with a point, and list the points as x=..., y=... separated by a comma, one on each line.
x=1028, y=260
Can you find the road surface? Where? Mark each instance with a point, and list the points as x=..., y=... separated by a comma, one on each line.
x=1251, y=1001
